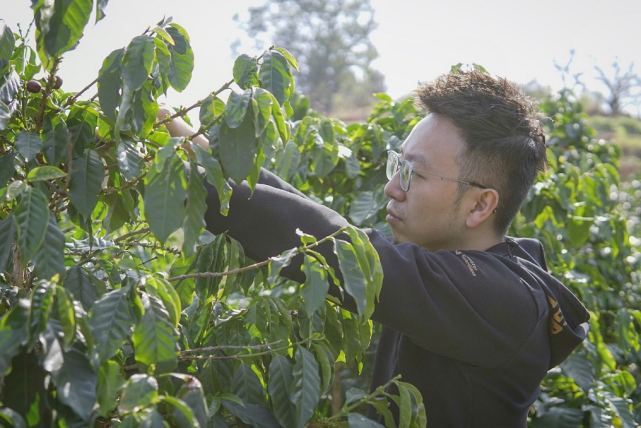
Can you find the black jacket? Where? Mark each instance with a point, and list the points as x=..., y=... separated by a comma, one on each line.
x=474, y=331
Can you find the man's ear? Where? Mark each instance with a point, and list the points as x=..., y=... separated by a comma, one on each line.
x=485, y=205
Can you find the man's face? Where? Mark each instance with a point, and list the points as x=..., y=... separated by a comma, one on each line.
x=428, y=214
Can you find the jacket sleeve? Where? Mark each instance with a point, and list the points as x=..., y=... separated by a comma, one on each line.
x=465, y=305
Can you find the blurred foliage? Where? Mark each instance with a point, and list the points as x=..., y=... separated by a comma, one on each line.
x=331, y=41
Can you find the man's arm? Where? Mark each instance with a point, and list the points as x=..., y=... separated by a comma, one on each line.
x=424, y=295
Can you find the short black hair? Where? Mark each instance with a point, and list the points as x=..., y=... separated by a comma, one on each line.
x=503, y=135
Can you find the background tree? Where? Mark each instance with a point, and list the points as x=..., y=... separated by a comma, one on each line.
x=624, y=88
x=331, y=41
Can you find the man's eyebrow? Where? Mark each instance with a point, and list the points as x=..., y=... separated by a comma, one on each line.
x=417, y=158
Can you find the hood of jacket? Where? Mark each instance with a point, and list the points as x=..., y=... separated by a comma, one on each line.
x=568, y=319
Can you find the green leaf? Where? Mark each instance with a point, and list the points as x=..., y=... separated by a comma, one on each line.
x=578, y=368
x=55, y=139
x=622, y=408
x=247, y=386
x=194, y=222
x=80, y=284
x=252, y=414
x=66, y=315
x=87, y=174
x=279, y=120
x=167, y=294
x=182, y=58
x=275, y=76
x=60, y=27
x=11, y=418
x=100, y=9
x=353, y=278
x=41, y=305
x=5, y=116
x=43, y=173
x=245, y=71
x=165, y=198
x=370, y=264
x=154, y=337
x=287, y=163
x=305, y=392
x=7, y=42
x=50, y=259
x=111, y=322
x=154, y=419
x=191, y=393
x=14, y=334
x=236, y=108
x=405, y=413
x=210, y=109
x=559, y=417
x=7, y=168
x=144, y=110
x=324, y=157
x=279, y=386
x=214, y=176
x=110, y=83
x=141, y=391
x=8, y=230
x=315, y=288
x=81, y=124
x=129, y=159
x=138, y=61
x=279, y=262
x=356, y=420
x=324, y=358
x=76, y=383
x=262, y=107
x=237, y=149
x=28, y=144
x=290, y=58
x=32, y=219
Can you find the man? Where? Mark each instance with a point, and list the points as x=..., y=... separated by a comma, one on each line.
x=470, y=317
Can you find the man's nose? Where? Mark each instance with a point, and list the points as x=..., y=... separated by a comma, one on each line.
x=393, y=188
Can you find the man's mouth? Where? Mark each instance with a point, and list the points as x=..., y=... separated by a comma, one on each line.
x=392, y=217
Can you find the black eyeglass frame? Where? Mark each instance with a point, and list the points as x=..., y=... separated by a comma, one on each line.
x=394, y=164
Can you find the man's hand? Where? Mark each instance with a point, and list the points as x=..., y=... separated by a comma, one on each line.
x=177, y=127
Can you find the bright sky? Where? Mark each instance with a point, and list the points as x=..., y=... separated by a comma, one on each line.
x=417, y=39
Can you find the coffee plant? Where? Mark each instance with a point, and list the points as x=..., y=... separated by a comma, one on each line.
x=118, y=308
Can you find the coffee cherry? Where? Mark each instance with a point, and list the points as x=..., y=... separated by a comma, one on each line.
x=58, y=83
x=33, y=86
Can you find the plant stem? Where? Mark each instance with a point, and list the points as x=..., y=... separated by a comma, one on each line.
x=73, y=99
x=216, y=348
x=255, y=265
x=237, y=356
x=47, y=92
x=378, y=391
x=130, y=234
x=218, y=274
x=184, y=111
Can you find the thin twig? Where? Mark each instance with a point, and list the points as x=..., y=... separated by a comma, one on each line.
x=218, y=274
x=184, y=111
x=132, y=183
x=73, y=99
x=237, y=356
x=130, y=234
x=46, y=93
x=217, y=348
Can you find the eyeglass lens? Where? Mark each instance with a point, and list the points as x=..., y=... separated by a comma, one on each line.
x=393, y=162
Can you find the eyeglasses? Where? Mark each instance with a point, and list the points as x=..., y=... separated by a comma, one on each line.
x=394, y=164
